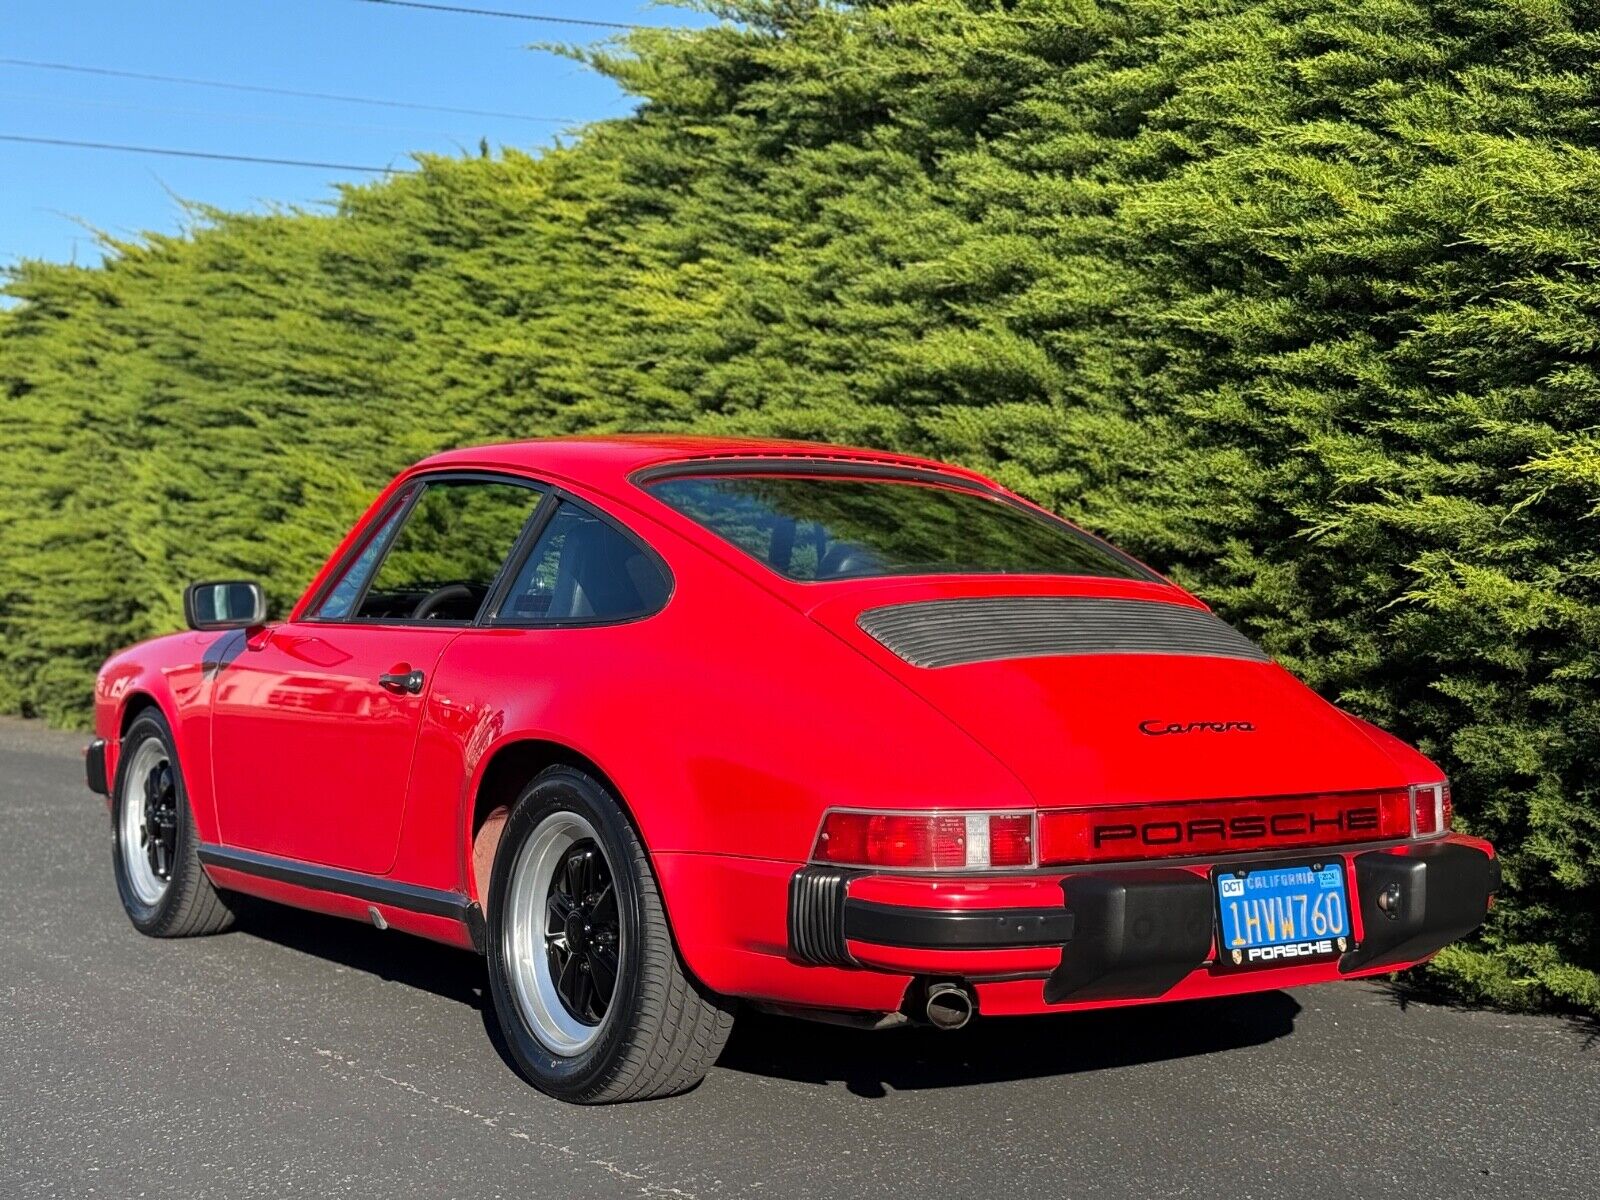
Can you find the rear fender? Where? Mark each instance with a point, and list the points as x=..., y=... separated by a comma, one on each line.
x=498, y=777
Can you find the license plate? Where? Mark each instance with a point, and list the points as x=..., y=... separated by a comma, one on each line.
x=1279, y=915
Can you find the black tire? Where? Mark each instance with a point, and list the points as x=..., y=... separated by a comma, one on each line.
x=662, y=1030
x=188, y=904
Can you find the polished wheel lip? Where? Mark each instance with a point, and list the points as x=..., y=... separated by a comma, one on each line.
x=543, y=935
x=149, y=794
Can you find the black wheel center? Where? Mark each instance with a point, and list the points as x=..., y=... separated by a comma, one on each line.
x=577, y=931
x=159, y=829
x=582, y=932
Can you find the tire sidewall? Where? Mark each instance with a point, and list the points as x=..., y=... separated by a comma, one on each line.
x=149, y=917
x=569, y=1077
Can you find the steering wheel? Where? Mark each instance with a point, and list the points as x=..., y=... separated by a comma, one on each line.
x=438, y=598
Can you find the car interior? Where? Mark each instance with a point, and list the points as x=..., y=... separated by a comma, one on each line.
x=581, y=569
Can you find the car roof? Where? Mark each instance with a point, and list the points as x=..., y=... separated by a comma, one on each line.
x=606, y=461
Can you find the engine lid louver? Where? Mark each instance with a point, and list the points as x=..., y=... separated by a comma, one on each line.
x=947, y=633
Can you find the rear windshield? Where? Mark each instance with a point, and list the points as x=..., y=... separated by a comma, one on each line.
x=816, y=528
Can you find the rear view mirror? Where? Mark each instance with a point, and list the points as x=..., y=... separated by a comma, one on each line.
x=233, y=605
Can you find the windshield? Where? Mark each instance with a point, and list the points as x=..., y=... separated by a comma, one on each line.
x=812, y=527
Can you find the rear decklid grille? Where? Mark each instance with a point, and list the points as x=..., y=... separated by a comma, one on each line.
x=1103, y=692
x=947, y=633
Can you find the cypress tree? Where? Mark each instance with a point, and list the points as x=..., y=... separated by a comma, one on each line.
x=1295, y=298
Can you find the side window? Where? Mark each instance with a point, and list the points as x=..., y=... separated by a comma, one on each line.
x=441, y=564
x=338, y=603
x=584, y=569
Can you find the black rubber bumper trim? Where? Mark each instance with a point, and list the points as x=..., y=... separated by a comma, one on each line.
x=1413, y=904
x=94, y=767
x=1139, y=932
x=816, y=915
x=981, y=929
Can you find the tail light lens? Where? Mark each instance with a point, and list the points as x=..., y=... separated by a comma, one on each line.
x=987, y=841
x=926, y=841
x=1431, y=810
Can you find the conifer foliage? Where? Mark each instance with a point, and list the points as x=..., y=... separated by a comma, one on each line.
x=1295, y=298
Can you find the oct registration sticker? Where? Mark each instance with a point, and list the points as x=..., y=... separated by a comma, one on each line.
x=1280, y=915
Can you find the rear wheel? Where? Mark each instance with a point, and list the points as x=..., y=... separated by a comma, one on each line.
x=155, y=850
x=587, y=985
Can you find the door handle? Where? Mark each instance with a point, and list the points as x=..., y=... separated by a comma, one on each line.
x=402, y=681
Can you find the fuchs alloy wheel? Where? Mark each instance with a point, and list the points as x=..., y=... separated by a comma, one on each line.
x=587, y=984
x=563, y=934
x=155, y=851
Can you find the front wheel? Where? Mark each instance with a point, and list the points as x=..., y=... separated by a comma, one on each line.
x=587, y=985
x=155, y=849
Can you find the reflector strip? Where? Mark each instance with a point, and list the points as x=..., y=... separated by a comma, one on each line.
x=1094, y=835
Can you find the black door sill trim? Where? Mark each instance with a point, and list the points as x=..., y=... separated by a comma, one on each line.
x=429, y=901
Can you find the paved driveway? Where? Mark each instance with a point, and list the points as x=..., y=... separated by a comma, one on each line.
x=303, y=1056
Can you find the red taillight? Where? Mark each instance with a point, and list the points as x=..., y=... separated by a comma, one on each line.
x=926, y=841
x=1431, y=809
x=1211, y=827
x=1394, y=814
x=1011, y=840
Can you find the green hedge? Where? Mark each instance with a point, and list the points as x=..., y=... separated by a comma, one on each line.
x=1297, y=299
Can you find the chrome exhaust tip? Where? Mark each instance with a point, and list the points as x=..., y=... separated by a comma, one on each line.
x=949, y=1005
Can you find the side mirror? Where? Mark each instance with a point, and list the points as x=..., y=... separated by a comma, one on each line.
x=232, y=605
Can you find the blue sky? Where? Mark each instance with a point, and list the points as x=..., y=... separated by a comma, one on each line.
x=48, y=193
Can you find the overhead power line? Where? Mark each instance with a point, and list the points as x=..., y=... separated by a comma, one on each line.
x=275, y=91
x=1006, y=18
x=512, y=16
x=171, y=153
x=206, y=114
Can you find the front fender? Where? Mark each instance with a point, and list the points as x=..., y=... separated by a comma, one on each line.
x=174, y=674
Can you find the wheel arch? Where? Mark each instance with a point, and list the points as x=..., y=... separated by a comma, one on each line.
x=509, y=768
x=135, y=703
x=128, y=708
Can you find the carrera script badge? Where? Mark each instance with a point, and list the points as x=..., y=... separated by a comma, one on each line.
x=1162, y=728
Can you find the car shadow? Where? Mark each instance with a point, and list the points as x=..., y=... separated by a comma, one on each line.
x=868, y=1064
x=439, y=970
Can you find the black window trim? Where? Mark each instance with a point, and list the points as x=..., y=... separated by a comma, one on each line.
x=411, y=492
x=758, y=464
x=489, y=617
x=399, y=506
x=824, y=467
x=551, y=497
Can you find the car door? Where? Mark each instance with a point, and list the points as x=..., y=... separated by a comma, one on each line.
x=315, y=722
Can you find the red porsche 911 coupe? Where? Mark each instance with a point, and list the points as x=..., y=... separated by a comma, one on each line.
x=661, y=724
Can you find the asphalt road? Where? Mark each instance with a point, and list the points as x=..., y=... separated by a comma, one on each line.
x=302, y=1056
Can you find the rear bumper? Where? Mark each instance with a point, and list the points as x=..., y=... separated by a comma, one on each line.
x=1125, y=934
x=933, y=929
